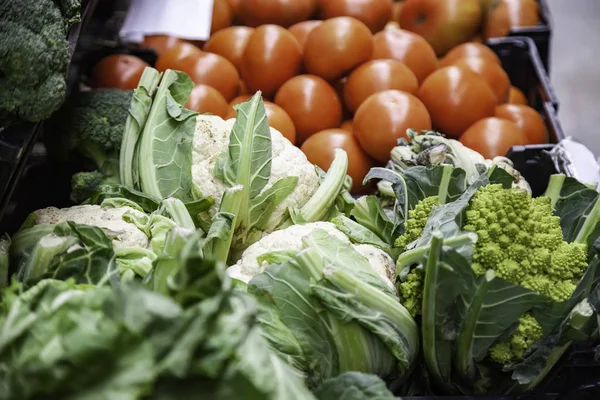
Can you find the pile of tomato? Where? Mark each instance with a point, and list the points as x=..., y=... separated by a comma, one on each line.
x=355, y=74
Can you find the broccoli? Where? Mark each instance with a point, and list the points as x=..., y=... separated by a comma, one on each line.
x=85, y=184
x=91, y=124
x=522, y=241
x=34, y=56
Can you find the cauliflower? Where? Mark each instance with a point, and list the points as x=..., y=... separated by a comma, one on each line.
x=290, y=239
x=124, y=234
x=211, y=138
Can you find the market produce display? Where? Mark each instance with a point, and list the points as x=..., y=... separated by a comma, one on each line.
x=327, y=62
x=314, y=204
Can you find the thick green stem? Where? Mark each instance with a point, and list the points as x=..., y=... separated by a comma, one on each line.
x=444, y=182
x=554, y=188
x=43, y=253
x=428, y=313
x=318, y=205
x=138, y=111
x=589, y=225
x=464, y=348
x=179, y=213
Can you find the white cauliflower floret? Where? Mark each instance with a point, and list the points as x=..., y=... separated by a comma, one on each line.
x=291, y=239
x=124, y=234
x=211, y=138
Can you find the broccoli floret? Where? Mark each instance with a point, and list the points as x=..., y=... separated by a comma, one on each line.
x=521, y=240
x=91, y=123
x=85, y=184
x=34, y=55
x=528, y=331
x=417, y=218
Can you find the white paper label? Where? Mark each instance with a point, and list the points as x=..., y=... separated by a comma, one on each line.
x=185, y=19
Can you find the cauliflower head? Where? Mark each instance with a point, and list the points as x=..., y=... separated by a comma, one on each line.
x=111, y=220
x=290, y=239
x=211, y=138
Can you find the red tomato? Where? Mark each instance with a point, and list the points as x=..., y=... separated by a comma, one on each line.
x=160, y=43
x=377, y=76
x=230, y=43
x=493, y=137
x=384, y=117
x=516, y=96
x=396, y=11
x=119, y=71
x=221, y=17
x=242, y=88
x=527, y=119
x=172, y=58
x=278, y=12
x=213, y=70
x=312, y=104
x=302, y=29
x=523, y=12
x=373, y=13
x=347, y=125
x=205, y=99
x=272, y=57
x=497, y=20
x=408, y=48
x=320, y=150
x=336, y=47
x=234, y=6
x=493, y=74
x=456, y=98
x=469, y=50
x=277, y=117
x=443, y=23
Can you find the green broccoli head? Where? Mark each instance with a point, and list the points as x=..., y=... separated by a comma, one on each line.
x=92, y=123
x=521, y=240
x=85, y=184
x=34, y=55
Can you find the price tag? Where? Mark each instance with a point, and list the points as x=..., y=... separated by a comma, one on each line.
x=185, y=19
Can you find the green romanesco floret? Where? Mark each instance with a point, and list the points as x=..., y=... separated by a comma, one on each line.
x=521, y=240
x=528, y=331
x=417, y=218
x=411, y=291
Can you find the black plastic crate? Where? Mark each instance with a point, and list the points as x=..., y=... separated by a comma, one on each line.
x=17, y=138
x=541, y=34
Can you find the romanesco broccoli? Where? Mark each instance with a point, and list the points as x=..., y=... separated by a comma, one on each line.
x=528, y=331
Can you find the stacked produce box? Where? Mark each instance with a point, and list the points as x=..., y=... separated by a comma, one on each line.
x=327, y=199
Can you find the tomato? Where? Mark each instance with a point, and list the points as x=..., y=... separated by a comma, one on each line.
x=320, y=150
x=234, y=6
x=336, y=47
x=172, y=58
x=384, y=117
x=230, y=43
x=469, y=50
x=119, y=71
x=205, y=99
x=493, y=74
x=272, y=57
x=476, y=39
x=312, y=103
x=523, y=12
x=456, y=98
x=302, y=29
x=443, y=23
x=160, y=43
x=497, y=20
x=347, y=125
x=527, y=119
x=377, y=76
x=408, y=48
x=373, y=13
x=213, y=70
x=397, y=8
x=242, y=88
x=221, y=17
x=240, y=99
x=277, y=117
x=278, y=12
x=493, y=137
x=516, y=96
